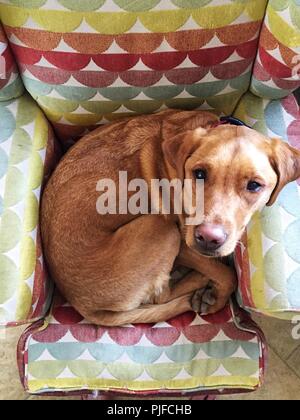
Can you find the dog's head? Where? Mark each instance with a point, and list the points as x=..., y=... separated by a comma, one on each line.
x=242, y=171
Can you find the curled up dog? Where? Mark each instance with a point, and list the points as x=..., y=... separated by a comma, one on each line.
x=115, y=269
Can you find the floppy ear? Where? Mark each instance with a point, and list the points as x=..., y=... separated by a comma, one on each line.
x=179, y=148
x=183, y=131
x=182, y=121
x=286, y=163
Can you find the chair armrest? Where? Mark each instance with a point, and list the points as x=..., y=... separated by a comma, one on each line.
x=277, y=68
x=269, y=263
x=11, y=85
x=28, y=154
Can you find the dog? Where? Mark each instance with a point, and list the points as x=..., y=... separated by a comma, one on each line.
x=115, y=268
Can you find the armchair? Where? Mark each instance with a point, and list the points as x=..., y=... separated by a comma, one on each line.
x=73, y=65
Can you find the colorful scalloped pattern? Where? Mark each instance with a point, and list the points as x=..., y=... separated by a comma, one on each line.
x=269, y=263
x=277, y=68
x=87, y=63
x=187, y=353
x=10, y=82
x=26, y=156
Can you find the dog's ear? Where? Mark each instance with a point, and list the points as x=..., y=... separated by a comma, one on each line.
x=286, y=163
x=179, y=148
x=183, y=121
x=200, y=119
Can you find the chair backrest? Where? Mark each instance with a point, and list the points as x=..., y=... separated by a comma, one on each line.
x=89, y=62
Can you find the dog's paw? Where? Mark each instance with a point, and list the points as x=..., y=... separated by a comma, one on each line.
x=204, y=300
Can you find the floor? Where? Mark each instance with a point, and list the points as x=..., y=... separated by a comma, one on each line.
x=282, y=379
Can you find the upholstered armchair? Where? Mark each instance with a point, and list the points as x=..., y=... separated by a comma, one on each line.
x=69, y=66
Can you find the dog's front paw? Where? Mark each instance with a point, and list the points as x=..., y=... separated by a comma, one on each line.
x=211, y=299
x=204, y=299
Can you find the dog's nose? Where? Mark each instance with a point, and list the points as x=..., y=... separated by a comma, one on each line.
x=210, y=237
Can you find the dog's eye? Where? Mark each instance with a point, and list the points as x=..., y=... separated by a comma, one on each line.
x=200, y=174
x=254, y=186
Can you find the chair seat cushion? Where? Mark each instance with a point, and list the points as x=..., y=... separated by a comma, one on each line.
x=269, y=263
x=186, y=354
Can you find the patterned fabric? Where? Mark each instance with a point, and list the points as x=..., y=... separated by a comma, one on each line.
x=187, y=353
x=270, y=265
x=86, y=63
x=89, y=62
x=24, y=138
x=277, y=69
x=10, y=81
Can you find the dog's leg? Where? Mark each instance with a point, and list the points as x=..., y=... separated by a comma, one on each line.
x=223, y=281
x=144, y=314
x=170, y=303
x=192, y=282
x=135, y=267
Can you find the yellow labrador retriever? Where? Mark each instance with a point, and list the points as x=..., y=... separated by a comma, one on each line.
x=115, y=268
